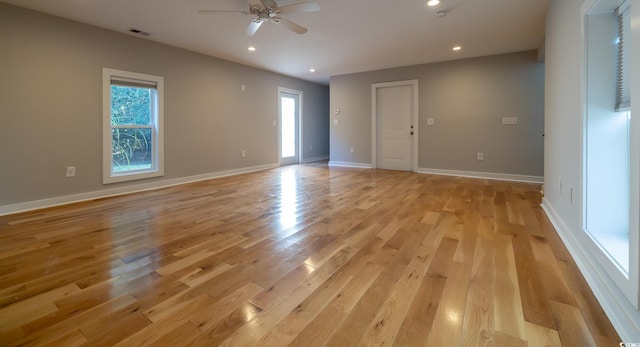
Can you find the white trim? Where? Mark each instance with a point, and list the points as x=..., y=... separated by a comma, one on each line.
x=634, y=168
x=459, y=173
x=299, y=93
x=624, y=317
x=315, y=159
x=374, y=118
x=486, y=175
x=70, y=199
x=349, y=164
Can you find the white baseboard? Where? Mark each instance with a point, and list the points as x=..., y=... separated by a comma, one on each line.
x=105, y=193
x=486, y=175
x=315, y=159
x=624, y=317
x=349, y=164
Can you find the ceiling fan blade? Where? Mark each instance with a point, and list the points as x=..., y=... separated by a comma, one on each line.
x=269, y=3
x=310, y=6
x=253, y=27
x=296, y=28
x=219, y=12
x=253, y=3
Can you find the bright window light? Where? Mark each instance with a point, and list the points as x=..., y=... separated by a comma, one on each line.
x=288, y=127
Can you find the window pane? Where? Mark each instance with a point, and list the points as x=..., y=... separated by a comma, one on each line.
x=131, y=105
x=288, y=127
x=131, y=149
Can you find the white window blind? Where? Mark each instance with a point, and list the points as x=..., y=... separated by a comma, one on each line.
x=623, y=95
x=132, y=82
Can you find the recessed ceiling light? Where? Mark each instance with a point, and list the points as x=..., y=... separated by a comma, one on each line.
x=457, y=48
x=433, y=2
x=312, y=70
x=251, y=48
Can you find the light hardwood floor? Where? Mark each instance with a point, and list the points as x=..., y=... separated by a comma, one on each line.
x=301, y=255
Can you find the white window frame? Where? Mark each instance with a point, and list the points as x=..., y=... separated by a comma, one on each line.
x=157, y=161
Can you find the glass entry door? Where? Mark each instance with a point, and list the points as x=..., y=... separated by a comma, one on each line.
x=289, y=126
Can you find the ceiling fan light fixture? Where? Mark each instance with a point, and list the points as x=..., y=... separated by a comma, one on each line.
x=269, y=11
x=433, y=3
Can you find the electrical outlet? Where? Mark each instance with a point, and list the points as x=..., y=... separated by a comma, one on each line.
x=352, y=150
x=244, y=153
x=71, y=171
x=480, y=156
x=510, y=120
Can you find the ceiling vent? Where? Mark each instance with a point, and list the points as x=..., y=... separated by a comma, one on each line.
x=139, y=32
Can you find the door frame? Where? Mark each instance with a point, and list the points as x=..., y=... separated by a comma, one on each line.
x=374, y=119
x=279, y=120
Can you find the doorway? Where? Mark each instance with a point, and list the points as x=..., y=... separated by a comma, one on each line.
x=395, y=125
x=289, y=125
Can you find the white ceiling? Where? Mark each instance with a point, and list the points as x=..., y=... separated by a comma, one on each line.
x=345, y=36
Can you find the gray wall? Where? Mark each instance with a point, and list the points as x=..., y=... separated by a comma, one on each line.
x=467, y=98
x=51, y=107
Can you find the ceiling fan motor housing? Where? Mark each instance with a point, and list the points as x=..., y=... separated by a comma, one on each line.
x=268, y=11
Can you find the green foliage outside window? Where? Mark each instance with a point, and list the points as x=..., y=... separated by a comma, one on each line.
x=131, y=122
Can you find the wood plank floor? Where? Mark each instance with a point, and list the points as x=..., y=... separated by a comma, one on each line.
x=303, y=255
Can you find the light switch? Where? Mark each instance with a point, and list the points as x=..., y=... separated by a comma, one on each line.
x=335, y=122
x=431, y=121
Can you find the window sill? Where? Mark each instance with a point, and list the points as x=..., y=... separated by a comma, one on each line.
x=125, y=177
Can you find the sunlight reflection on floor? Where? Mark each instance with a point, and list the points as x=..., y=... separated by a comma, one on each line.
x=288, y=198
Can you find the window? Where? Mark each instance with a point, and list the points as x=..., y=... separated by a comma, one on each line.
x=607, y=155
x=132, y=126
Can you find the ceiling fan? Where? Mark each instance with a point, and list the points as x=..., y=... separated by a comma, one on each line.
x=268, y=11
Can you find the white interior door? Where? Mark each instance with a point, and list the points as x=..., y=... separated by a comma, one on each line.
x=289, y=126
x=394, y=105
